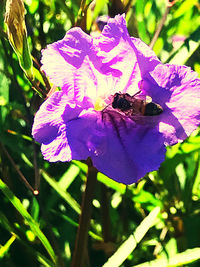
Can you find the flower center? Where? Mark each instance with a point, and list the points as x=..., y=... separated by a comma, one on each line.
x=100, y=104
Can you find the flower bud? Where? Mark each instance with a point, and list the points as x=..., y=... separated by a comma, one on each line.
x=17, y=34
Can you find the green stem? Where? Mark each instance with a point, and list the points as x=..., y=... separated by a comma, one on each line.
x=24, y=180
x=160, y=26
x=79, y=255
x=45, y=79
x=36, y=169
x=37, y=88
x=106, y=229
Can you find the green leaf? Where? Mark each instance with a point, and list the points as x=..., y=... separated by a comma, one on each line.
x=182, y=54
x=170, y=249
x=65, y=195
x=130, y=244
x=4, y=249
x=4, y=96
x=68, y=177
x=184, y=7
x=111, y=183
x=139, y=5
x=4, y=89
x=192, y=145
x=5, y=223
x=32, y=5
x=103, y=178
x=179, y=259
x=72, y=222
x=27, y=217
x=61, y=186
x=147, y=197
x=98, y=7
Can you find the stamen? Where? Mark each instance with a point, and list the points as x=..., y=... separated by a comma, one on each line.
x=100, y=104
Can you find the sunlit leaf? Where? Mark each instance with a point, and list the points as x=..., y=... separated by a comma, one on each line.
x=184, y=7
x=140, y=21
x=129, y=245
x=111, y=183
x=98, y=7
x=4, y=96
x=28, y=219
x=148, y=198
x=4, y=249
x=64, y=194
x=32, y=5
x=180, y=259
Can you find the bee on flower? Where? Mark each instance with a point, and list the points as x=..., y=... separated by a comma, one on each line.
x=102, y=111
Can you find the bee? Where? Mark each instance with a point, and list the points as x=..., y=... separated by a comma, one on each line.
x=135, y=105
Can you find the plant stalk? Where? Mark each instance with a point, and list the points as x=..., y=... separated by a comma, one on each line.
x=79, y=255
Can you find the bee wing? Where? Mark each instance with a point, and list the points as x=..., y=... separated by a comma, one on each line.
x=148, y=99
x=145, y=98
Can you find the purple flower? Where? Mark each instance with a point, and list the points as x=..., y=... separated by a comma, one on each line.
x=88, y=119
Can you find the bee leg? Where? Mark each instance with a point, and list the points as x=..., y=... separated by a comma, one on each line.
x=137, y=93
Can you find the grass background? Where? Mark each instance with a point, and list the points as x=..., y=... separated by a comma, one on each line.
x=154, y=221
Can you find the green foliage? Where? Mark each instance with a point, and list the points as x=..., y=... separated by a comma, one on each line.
x=28, y=219
x=40, y=230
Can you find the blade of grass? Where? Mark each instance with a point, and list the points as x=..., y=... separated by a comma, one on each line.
x=184, y=54
x=188, y=256
x=23, y=136
x=64, y=182
x=75, y=224
x=21, y=176
x=58, y=186
x=130, y=244
x=4, y=249
x=65, y=195
x=27, y=217
x=111, y=183
x=68, y=177
x=5, y=223
x=139, y=13
x=103, y=178
x=43, y=260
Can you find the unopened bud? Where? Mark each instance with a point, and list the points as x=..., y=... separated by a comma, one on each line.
x=17, y=34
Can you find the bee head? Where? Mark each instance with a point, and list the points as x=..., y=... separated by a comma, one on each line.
x=120, y=102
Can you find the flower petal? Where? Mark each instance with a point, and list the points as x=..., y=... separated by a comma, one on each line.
x=67, y=64
x=87, y=66
x=147, y=59
x=132, y=150
x=50, y=127
x=118, y=146
x=177, y=90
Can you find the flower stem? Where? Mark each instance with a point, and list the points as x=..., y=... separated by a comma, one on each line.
x=81, y=15
x=37, y=88
x=44, y=77
x=24, y=180
x=84, y=220
x=162, y=22
x=106, y=229
x=170, y=3
x=36, y=169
